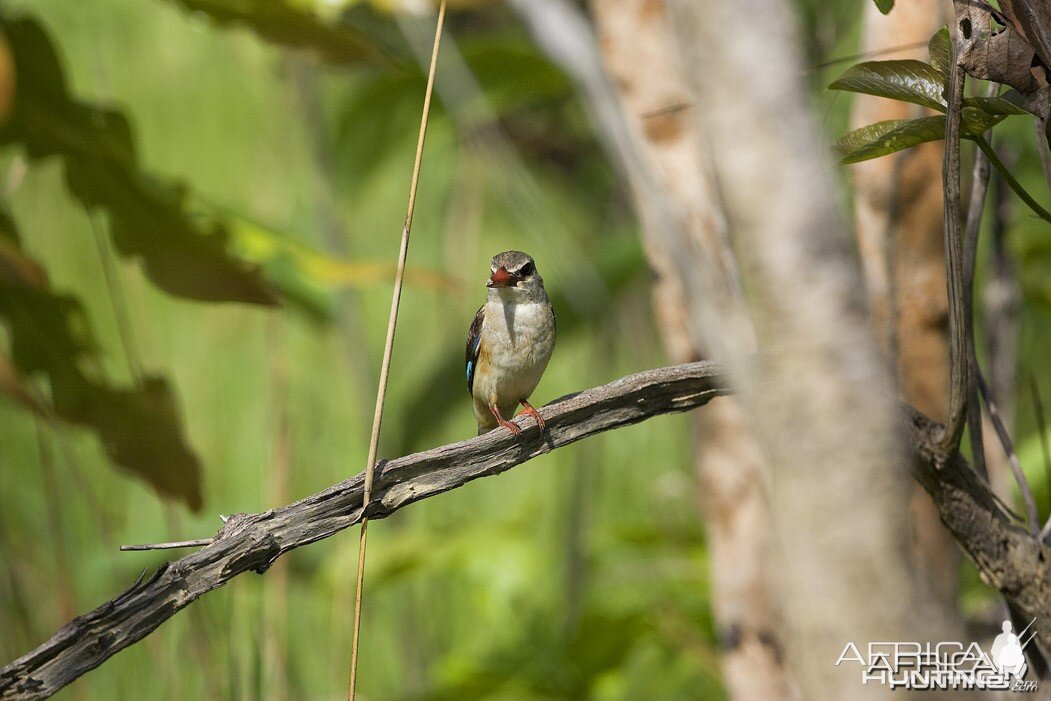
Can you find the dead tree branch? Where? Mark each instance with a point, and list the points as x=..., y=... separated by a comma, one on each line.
x=1007, y=557
x=252, y=542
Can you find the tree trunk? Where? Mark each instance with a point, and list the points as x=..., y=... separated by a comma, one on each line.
x=840, y=486
x=639, y=54
x=898, y=216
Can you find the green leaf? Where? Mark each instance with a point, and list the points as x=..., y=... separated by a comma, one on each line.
x=309, y=277
x=886, y=137
x=1029, y=103
x=512, y=74
x=884, y=6
x=184, y=254
x=905, y=80
x=940, y=49
x=281, y=22
x=993, y=105
x=138, y=426
x=893, y=135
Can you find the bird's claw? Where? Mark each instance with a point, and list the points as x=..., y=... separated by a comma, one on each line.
x=530, y=411
x=511, y=426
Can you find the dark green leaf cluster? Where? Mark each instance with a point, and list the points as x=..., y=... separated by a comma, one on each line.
x=921, y=84
x=183, y=253
x=139, y=427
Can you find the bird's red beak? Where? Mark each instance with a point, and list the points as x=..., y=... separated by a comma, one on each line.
x=501, y=278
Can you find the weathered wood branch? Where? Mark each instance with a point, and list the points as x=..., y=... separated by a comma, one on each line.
x=252, y=542
x=1007, y=557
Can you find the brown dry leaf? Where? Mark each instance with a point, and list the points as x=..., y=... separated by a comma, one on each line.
x=1032, y=19
x=988, y=47
x=992, y=46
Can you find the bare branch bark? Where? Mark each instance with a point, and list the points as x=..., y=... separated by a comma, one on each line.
x=1007, y=557
x=252, y=542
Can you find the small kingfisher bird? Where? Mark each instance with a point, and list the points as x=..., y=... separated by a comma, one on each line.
x=509, y=343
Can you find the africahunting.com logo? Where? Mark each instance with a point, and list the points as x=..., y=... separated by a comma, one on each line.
x=946, y=665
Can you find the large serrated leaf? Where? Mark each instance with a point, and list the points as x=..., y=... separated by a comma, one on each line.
x=907, y=80
x=893, y=135
x=940, y=50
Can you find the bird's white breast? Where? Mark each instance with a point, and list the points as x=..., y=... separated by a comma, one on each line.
x=517, y=339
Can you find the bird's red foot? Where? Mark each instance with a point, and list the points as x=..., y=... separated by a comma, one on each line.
x=535, y=414
x=509, y=425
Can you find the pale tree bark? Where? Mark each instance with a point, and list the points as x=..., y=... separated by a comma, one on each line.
x=840, y=492
x=639, y=53
x=898, y=217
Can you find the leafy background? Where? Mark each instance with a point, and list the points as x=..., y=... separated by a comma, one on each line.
x=178, y=156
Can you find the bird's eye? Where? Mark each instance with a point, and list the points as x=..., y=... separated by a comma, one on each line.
x=527, y=270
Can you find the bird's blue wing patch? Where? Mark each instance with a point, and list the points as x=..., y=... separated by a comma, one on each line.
x=474, y=345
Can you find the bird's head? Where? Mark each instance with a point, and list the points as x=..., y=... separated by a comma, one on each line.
x=515, y=274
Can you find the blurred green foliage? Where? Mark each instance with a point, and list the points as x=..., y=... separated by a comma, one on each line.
x=186, y=148
x=581, y=575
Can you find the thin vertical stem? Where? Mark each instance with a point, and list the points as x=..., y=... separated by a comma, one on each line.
x=957, y=414
x=1042, y=149
x=1032, y=515
x=392, y=322
x=275, y=588
x=118, y=300
x=1041, y=426
x=979, y=188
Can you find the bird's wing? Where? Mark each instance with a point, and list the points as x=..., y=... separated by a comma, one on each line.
x=474, y=345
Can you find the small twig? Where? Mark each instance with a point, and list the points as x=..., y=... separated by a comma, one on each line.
x=1009, y=178
x=1043, y=150
x=954, y=277
x=979, y=188
x=118, y=299
x=198, y=543
x=1001, y=301
x=868, y=54
x=1038, y=408
x=388, y=348
x=1032, y=515
x=890, y=268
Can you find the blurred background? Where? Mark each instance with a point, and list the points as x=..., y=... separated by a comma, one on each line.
x=185, y=390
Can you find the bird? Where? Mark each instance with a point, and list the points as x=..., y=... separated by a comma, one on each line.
x=509, y=343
